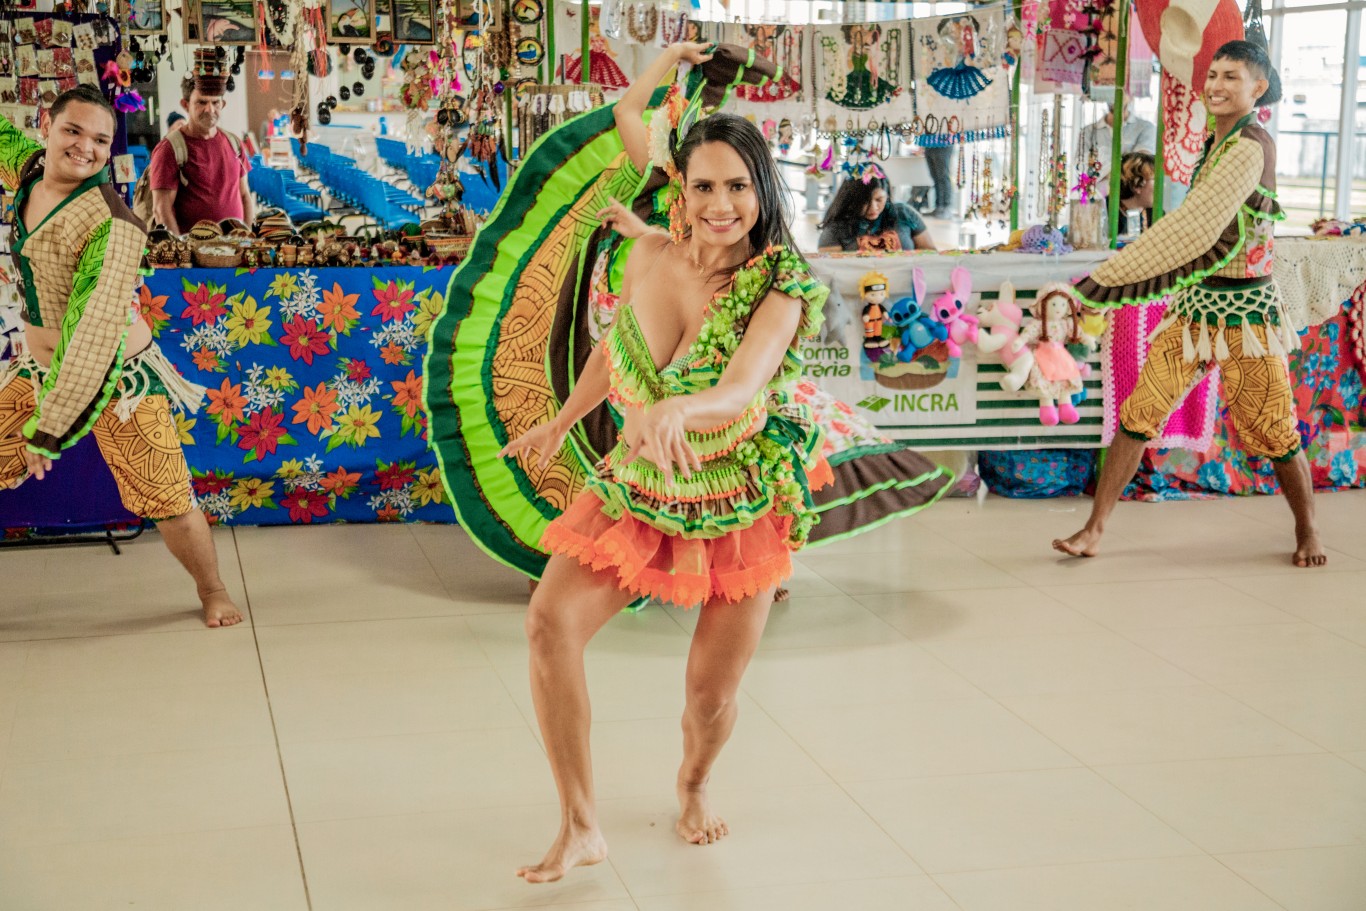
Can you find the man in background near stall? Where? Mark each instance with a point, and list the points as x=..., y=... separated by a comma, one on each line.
x=199, y=172
x=1139, y=136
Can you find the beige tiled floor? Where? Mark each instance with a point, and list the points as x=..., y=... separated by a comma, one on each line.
x=944, y=716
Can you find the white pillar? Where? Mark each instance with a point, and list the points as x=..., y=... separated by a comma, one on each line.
x=1276, y=38
x=1351, y=65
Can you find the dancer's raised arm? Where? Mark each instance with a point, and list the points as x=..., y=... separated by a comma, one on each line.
x=630, y=110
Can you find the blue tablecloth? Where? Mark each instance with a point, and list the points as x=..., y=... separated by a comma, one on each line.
x=314, y=411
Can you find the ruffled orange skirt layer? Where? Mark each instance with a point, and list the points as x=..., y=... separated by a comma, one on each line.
x=670, y=568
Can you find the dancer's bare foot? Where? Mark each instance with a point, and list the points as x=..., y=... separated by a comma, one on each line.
x=1308, y=550
x=697, y=824
x=1085, y=543
x=219, y=609
x=574, y=847
x=780, y=595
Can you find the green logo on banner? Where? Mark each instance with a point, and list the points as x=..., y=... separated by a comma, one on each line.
x=875, y=402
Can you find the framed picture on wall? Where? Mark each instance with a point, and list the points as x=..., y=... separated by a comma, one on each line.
x=228, y=22
x=189, y=15
x=351, y=21
x=414, y=21
x=147, y=17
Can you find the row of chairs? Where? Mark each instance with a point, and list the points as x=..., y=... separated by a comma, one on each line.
x=421, y=169
x=387, y=204
x=280, y=188
x=390, y=207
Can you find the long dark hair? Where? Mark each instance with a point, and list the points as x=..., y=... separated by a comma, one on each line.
x=1255, y=58
x=852, y=198
x=775, y=210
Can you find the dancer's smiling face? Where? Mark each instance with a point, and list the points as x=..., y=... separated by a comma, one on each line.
x=720, y=196
x=1232, y=88
x=78, y=141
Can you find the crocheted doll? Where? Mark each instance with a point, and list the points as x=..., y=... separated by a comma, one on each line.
x=872, y=290
x=1055, y=376
x=999, y=325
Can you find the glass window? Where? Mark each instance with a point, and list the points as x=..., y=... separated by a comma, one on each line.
x=1307, y=117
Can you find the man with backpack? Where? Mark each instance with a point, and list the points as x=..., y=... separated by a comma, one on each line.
x=199, y=171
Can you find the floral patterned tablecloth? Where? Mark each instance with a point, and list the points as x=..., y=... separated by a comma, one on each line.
x=314, y=410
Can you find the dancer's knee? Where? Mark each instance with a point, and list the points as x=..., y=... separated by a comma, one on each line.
x=709, y=704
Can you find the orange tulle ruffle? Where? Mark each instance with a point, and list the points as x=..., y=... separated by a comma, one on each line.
x=670, y=568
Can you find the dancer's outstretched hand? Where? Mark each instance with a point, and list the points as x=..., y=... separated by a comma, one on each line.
x=657, y=434
x=546, y=439
x=622, y=220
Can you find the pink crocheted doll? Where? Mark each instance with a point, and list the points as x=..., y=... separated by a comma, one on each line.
x=1055, y=376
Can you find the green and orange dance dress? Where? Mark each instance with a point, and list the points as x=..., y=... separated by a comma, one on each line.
x=509, y=346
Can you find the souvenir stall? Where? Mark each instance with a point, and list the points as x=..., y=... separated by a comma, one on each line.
x=312, y=341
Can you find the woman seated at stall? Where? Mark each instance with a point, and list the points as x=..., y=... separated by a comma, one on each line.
x=863, y=218
x=1136, y=182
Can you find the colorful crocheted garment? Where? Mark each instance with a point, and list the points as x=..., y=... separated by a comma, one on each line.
x=757, y=473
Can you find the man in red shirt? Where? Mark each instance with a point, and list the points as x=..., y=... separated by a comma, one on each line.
x=212, y=183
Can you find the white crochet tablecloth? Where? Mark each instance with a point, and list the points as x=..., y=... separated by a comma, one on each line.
x=1316, y=274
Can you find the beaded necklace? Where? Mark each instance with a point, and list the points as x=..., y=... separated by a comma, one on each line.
x=643, y=22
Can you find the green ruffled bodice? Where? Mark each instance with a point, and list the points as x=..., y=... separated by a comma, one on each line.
x=751, y=465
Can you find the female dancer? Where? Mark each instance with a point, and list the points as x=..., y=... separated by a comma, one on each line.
x=706, y=493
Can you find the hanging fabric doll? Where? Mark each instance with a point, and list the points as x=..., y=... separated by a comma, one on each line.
x=1055, y=376
x=603, y=69
x=962, y=79
x=863, y=86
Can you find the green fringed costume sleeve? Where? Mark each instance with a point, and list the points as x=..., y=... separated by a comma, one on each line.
x=86, y=364
x=15, y=151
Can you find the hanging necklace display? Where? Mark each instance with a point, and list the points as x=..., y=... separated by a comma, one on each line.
x=642, y=22
x=1057, y=199
x=673, y=25
x=988, y=189
x=960, y=179
x=1088, y=180
x=1008, y=189
x=974, y=188
x=1045, y=156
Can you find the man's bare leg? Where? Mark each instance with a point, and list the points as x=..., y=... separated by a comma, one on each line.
x=1298, y=486
x=188, y=538
x=722, y=646
x=569, y=606
x=1121, y=462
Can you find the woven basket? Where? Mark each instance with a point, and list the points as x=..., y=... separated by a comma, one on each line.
x=445, y=245
x=911, y=380
x=217, y=256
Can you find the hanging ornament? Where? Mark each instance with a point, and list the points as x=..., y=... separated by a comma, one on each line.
x=530, y=51
x=528, y=12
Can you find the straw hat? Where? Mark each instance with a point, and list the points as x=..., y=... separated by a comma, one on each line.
x=1184, y=34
